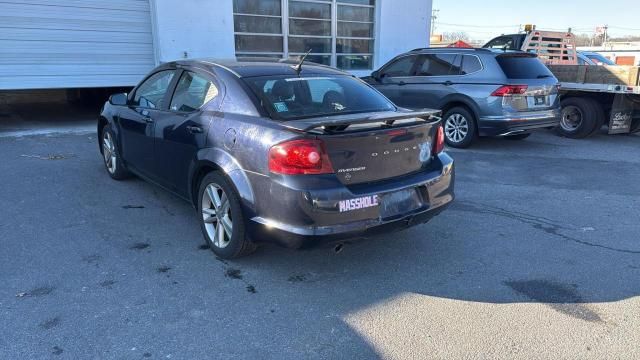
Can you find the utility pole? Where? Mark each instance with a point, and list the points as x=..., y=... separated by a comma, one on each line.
x=606, y=35
x=434, y=17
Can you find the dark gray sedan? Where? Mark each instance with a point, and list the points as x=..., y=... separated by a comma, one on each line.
x=277, y=151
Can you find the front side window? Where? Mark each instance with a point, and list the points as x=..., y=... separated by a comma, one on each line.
x=339, y=33
x=192, y=92
x=401, y=67
x=503, y=42
x=151, y=92
x=288, y=98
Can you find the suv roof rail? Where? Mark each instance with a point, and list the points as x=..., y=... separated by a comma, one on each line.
x=451, y=48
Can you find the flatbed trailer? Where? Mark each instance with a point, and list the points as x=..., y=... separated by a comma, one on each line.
x=593, y=96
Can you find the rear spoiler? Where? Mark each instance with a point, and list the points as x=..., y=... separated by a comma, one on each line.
x=386, y=117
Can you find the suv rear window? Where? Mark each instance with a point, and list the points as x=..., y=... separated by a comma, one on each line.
x=523, y=67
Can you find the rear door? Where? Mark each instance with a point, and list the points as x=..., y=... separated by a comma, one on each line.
x=393, y=78
x=527, y=70
x=137, y=120
x=183, y=130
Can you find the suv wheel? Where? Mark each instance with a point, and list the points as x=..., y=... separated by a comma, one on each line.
x=459, y=127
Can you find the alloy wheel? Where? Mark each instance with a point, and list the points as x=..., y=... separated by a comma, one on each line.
x=109, y=152
x=216, y=213
x=456, y=128
x=571, y=118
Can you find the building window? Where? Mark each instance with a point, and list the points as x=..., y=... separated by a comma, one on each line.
x=338, y=32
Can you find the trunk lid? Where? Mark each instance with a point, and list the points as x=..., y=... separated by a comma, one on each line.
x=374, y=147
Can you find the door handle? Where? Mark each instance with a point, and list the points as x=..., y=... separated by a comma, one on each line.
x=448, y=83
x=147, y=119
x=402, y=83
x=194, y=129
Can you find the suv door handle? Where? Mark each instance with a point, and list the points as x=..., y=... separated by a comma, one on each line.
x=194, y=129
x=448, y=83
x=402, y=83
x=147, y=119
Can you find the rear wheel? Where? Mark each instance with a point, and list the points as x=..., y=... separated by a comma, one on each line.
x=579, y=118
x=518, y=136
x=459, y=127
x=222, y=221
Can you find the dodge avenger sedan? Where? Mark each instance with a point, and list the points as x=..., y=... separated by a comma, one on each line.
x=278, y=151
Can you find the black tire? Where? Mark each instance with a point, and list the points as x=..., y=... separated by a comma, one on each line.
x=449, y=120
x=600, y=117
x=113, y=164
x=635, y=126
x=518, y=136
x=238, y=244
x=579, y=117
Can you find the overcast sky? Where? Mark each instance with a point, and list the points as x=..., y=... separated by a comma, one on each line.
x=485, y=19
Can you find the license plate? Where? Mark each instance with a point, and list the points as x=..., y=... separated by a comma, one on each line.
x=399, y=202
x=540, y=100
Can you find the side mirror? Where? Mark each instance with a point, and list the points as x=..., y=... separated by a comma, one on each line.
x=119, y=99
x=376, y=75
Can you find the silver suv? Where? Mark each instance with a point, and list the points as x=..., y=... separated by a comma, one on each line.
x=481, y=92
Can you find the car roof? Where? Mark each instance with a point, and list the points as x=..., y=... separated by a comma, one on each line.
x=488, y=51
x=262, y=67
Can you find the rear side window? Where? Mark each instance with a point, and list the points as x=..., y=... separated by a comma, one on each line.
x=401, y=67
x=470, y=64
x=192, y=92
x=523, y=67
x=440, y=65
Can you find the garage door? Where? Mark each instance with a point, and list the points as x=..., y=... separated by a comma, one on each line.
x=74, y=43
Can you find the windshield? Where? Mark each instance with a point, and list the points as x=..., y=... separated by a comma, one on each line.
x=600, y=60
x=288, y=98
x=523, y=67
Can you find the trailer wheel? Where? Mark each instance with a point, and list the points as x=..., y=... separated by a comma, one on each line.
x=579, y=117
x=600, y=117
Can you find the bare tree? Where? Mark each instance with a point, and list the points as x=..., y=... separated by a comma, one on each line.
x=455, y=36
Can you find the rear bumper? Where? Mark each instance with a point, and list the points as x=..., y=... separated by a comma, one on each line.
x=437, y=192
x=517, y=123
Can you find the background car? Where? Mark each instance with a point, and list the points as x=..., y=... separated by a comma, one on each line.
x=593, y=58
x=276, y=151
x=481, y=92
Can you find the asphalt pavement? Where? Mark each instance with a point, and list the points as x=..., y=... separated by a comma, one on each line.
x=539, y=257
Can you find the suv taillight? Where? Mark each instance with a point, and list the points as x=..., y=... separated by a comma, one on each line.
x=300, y=157
x=509, y=90
x=438, y=145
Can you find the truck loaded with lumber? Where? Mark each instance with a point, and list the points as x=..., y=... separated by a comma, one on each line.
x=592, y=96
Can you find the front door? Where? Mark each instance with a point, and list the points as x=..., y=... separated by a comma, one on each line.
x=137, y=121
x=394, y=77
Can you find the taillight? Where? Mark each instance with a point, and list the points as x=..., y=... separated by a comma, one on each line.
x=438, y=145
x=509, y=90
x=299, y=157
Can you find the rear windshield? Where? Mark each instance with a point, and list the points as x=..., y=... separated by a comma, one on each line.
x=523, y=67
x=289, y=97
